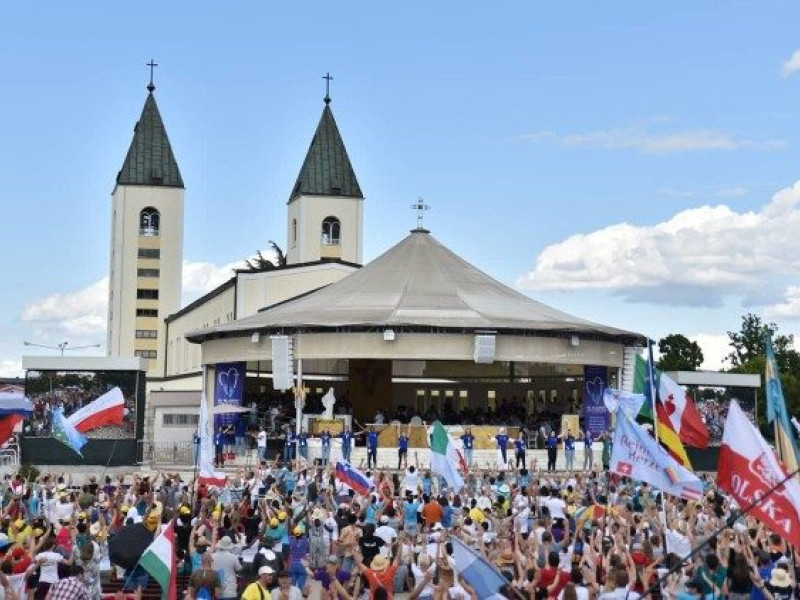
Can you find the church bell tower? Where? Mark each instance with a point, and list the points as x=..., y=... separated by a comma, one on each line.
x=326, y=206
x=146, y=242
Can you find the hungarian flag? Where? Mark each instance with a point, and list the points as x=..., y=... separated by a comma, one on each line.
x=679, y=406
x=748, y=469
x=159, y=560
x=445, y=458
x=108, y=409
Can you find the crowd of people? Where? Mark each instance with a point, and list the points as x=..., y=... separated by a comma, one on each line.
x=289, y=529
x=71, y=399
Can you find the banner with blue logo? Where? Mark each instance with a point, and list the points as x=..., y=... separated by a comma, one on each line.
x=229, y=389
x=596, y=417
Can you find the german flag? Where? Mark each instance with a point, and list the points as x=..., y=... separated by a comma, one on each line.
x=667, y=435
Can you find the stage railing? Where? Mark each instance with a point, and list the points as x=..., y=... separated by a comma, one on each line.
x=172, y=453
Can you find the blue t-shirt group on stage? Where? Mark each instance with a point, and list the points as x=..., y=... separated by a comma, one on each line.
x=469, y=441
x=372, y=440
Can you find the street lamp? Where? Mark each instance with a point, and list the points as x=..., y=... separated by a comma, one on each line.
x=62, y=347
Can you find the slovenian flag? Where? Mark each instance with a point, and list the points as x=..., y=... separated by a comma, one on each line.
x=349, y=475
x=159, y=560
x=14, y=404
x=108, y=409
x=65, y=433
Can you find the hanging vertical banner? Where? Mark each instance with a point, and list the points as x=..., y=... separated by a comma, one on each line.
x=596, y=417
x=229, y=389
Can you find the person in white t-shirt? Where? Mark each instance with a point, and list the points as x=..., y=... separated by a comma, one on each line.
x=47, y=560
x=556, y=506
x=261, y=443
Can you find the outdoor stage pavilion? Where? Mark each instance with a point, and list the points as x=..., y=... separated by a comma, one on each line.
x=419, y=328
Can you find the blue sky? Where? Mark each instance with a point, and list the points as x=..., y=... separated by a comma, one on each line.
x=631, y=164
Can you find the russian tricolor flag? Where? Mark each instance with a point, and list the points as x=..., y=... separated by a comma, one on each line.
x=348, y=474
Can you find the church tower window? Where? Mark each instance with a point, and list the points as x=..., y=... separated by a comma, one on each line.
x=331, y=231
x=149, y=222
x=294, y=231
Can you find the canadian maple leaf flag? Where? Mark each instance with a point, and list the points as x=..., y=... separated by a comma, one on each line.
x=748, y=469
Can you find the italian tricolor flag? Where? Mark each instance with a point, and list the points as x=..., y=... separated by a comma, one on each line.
x=445, y=458
x=159, y=560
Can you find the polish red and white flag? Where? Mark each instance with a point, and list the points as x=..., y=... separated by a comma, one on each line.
x=748, y=468
x=108, y=409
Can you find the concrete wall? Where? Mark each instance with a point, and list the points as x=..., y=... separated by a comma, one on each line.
x=308, y=212
x=411, y=346
x=183, y=357
x=127, y=204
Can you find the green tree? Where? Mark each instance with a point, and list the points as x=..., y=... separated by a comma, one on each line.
x=262, y=263
x=748, y=356
x=678, y=353
x=748, y=343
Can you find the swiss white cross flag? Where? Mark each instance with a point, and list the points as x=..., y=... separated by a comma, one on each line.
x=748, y=469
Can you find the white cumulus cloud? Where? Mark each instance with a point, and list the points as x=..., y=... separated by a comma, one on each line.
x=654, y=142
x=715, y=347
x=788, y=307
x=11, y=368
x=696, y=258
x=791, y=65
x=80, y=316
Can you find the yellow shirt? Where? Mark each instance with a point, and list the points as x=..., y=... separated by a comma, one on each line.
x=476, y=514
x=251, y=592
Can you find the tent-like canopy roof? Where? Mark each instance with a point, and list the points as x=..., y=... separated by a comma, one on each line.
x=417, y=284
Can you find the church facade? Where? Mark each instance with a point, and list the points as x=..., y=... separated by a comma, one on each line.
x=324, y=243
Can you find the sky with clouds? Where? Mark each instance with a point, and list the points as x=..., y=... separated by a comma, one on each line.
x=634, y=165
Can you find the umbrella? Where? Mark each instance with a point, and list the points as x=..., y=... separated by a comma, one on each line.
x=126, y=547
x=225, y=409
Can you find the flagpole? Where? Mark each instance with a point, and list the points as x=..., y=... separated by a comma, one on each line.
x=651, y=376
x=729, y=522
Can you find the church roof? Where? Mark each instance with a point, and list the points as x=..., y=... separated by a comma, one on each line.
x=150, y=160
x=326, y=171
x=418, y=283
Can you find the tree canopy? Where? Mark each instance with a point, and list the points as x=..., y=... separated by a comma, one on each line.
x=678, y=353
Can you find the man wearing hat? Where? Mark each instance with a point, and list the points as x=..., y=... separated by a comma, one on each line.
x=227, y=565
x=380, y=572
x=259, y=589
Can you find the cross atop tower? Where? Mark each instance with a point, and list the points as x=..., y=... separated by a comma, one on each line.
x=152, y=64
x=327, y=77
x=420, y=207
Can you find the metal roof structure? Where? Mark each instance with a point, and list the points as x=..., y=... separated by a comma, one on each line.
x=326, y=170
x=150, y=160
x=418, y=284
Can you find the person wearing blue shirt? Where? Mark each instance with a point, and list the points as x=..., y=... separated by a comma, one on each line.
x=402, y=450
x=325, y=439
x=588, y=454
x=219, y=448
x=502, y=445
x=372, y=448
x=520, y=447
x=469, y=444
x=569, y=450
x=302, y=441
x=289, y=439
x=552, y=450
x=347, y=444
